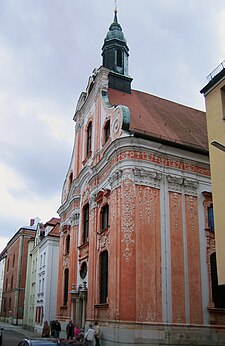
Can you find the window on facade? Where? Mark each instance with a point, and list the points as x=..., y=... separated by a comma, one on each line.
x=66, y=285
x=119, y=58
x=12, y=282
x=86, y=223
x=210, y=218
x=8, y=265
x=13, y=260
x=10, y=302
x=70, y=179
x=218, y=291
x=44, y=259
x=89, y=138
x=67, y=250
x=105, y=217
x=103, y=277
x=43, y=285
x=6, y=284
x=107, y=131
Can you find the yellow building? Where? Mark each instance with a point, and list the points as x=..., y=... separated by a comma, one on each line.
x=214, y=93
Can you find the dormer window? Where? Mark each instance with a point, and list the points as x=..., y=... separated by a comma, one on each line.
x=89, y=139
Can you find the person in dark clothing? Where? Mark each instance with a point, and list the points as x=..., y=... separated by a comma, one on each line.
x=57, y=328
x=70, y=330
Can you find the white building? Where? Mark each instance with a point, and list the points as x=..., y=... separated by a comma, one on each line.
x=42, y=276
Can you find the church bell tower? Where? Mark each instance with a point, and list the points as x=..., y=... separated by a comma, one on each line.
x=115, y=53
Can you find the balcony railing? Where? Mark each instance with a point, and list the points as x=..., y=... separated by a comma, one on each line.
x=217, y=70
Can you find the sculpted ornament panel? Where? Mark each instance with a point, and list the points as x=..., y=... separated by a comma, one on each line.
x=128, y=204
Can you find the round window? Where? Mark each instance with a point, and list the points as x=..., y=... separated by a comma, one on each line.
x=83, y=270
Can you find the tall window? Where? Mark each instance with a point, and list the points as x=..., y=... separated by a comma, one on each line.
x=105, y=217
x=103, y=277
x=119, y=58
x=67, y=244
x=210, y=218
x=107, y=131
x=86, y=223
x=89, y=138
x=12, y=282
x=13, y=260
x=66, y=285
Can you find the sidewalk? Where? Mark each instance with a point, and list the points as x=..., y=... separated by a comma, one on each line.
x=19, y=329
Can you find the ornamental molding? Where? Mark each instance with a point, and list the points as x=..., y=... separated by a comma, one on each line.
x=115, y=179
x=190, y=186
x=103, y=240
x=92, y=201
x=180, y=184
x=146, y=177
x=174, y=183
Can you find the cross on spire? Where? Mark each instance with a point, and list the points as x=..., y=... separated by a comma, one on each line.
x=115, y=3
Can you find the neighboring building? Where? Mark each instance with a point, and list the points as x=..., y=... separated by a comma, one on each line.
x=15, y=274
x=42, y=276
x=2, y=272
x=134, y=249
x=214, y=93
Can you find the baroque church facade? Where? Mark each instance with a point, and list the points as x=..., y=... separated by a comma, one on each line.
x=135, y=233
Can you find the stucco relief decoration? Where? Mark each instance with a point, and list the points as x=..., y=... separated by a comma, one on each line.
x=147, y=177
x=190, y=186
x=128, y=196
x=151, y=201
x=115, y=179
x=140, y=313
x=176, y=208
x=65, y=262
x=117, y=123
x=79, y=122
x=92, y=201
x=174, y=183
x=150, y=314
x=74, y=218
x=192, y=202
x=86, y=193
x=103, y=240
x=140, y=200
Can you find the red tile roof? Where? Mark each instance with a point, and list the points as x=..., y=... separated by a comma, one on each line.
x=55, y=231
x=163, y=120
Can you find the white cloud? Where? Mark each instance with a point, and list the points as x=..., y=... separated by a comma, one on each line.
x=3, y=242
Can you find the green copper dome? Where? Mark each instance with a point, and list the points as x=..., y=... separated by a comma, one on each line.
x=115, y=31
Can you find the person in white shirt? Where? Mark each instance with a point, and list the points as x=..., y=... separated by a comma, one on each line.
x=89, y=336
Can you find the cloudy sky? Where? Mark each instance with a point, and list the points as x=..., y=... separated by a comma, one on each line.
x=48, y=49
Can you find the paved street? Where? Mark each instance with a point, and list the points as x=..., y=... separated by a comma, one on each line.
x=13, y=334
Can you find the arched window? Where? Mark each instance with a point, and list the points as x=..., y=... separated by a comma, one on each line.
x=8, y=265
x=67, y=244
x=107, y=131
x=103, y=277
x=89, y=138
x=85, y=223
x=119, y=58
x=12, y=282
x=6, y=284
x=105, y=217
x=66, y=285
